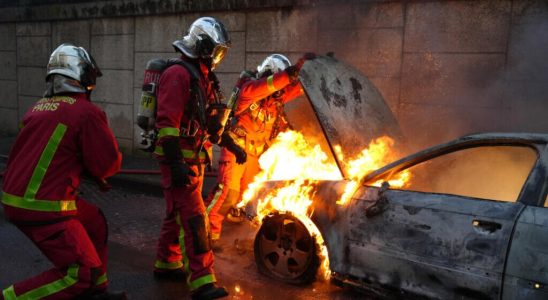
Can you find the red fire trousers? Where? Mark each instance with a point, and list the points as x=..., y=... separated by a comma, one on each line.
x=77, y=247
x=185, y=237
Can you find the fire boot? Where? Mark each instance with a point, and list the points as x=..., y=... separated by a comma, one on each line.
x=170, y=275
x=235, y=215
x=107, y=296
x=209, y=291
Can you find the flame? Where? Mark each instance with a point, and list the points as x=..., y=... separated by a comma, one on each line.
x=291, y=158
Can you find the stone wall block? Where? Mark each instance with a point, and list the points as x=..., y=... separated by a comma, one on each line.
x=233, y=21
x=155, y=34
x=31, y=81
x=378, y=15
x=9, y=124
x=336, y=16
x=527, y=52
x=529, y=12
x=428, y=125
x=33, y=51
x=527, y=106
x=234, y=60
x=33, y=29
x=113, y=51
x=8, y=65
x=8, y=94
x=342, y=42
x=120, y=118
x=282, y=30
x=389, y=88
x=75, y=32
x=469, y=80
x=25, y=102
x=115, y=86
x=378, y=52
x=113, y=26
x=7, y=37
x=457, y=26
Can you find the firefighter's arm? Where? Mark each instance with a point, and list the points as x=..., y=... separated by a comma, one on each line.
x=292, y=91
x=255, y=90
x=173, y=94
x=100, y=153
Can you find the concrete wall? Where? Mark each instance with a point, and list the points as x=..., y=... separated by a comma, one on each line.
x=446, y=68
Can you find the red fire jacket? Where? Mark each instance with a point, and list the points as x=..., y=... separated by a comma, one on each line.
x=62, y=137
x=173, y=113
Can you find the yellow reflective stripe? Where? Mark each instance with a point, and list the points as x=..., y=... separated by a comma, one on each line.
x=102, y=279
x=186, y=261
x=168, y=131
x=168, y=265
x=51, y=288
x=45, y=160
x=9, y=293
x=38, y=205
x=185, y=153
x=215, y=197
x=270, y=83
x=210, y=278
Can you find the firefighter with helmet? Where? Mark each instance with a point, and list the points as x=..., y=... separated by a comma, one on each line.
x=258, y=118
x=183, y=147
x=63, y=135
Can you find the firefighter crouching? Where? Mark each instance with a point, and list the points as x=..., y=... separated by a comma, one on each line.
x=258, y=118
x=63, y=136
x=183, y=147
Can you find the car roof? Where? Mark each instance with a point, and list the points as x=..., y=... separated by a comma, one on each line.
x=467, y=141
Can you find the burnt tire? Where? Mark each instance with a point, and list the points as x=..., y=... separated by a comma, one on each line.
x=285, y=250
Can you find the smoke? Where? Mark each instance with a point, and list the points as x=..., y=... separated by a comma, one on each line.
x=496, y=173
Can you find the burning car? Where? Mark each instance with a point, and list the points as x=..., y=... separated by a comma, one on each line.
x=465, y=219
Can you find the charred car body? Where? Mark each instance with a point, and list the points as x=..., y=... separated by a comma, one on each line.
x=471, y=225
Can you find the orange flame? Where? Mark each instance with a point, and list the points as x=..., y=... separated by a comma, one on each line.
x=292, y=158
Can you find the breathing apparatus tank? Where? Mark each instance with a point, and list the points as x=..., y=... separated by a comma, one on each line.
x=148, y=103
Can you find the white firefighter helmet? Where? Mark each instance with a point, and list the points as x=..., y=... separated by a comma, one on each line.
x=207, y=39
x=272, y=64
x=77, y=66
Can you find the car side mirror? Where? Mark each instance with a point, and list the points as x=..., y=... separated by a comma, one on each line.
x=381, y=204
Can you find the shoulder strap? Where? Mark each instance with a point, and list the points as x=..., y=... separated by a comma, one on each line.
x=196, y=92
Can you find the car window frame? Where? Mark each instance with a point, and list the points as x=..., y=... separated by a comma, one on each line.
x=530, y=187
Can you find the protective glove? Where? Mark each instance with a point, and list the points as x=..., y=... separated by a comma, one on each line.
x=180, y=173
x=179, y=170
x=230, y=145
x=293, y=73
x=304, y=58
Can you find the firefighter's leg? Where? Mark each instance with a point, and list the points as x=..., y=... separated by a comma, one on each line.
x=168, y=251
x=194, y=231
x=95, y=223
x=229, y=177
x=68, y=246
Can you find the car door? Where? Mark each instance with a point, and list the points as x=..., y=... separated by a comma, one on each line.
x=526, y=274
x=447, y=235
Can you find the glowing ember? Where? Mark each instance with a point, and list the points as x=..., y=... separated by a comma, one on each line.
x=290, y=158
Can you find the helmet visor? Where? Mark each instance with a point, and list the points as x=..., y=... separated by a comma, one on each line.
x=217, y=55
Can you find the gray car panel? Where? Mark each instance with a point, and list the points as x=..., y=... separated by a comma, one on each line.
x=527, y=268
x=349, y=108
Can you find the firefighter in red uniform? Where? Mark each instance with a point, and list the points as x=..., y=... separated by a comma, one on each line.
x=259, y=117
x=63, y=136
x=182, y=150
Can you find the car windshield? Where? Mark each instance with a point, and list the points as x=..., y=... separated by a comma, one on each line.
x=495, y=173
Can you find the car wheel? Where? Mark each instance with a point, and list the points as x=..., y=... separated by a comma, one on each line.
x=285, y=250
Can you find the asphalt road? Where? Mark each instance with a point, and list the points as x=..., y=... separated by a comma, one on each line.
x=134, y=224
